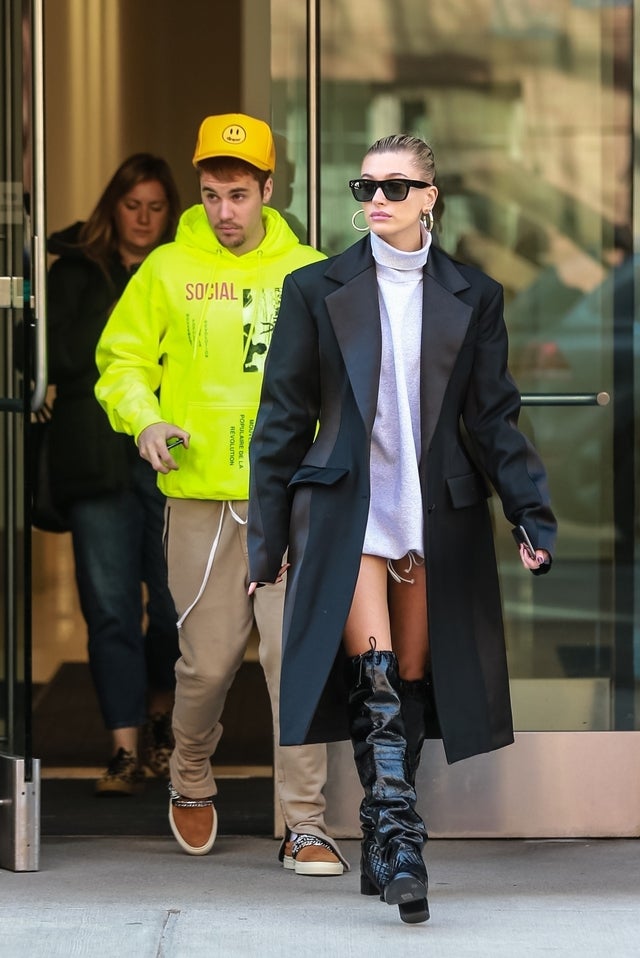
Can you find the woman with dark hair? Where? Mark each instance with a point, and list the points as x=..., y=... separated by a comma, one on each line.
x=386, y=401
x=107, y=492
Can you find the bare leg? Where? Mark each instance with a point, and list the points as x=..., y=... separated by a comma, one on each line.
x=408, y=619
x=369, y=613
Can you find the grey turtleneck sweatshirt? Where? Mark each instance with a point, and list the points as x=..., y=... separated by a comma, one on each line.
x=395, y=524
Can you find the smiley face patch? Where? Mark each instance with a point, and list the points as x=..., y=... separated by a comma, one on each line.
x=234, y=134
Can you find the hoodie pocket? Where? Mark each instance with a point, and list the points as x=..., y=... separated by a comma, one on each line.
x=217, y=460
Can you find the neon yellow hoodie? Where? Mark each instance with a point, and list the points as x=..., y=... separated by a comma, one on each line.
x=193, y=326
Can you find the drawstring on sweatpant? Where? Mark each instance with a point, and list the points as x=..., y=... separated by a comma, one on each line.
x=212, y=555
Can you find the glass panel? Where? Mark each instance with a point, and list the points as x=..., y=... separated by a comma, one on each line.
x=14, y=709
x=289, y=112
x=528, y=106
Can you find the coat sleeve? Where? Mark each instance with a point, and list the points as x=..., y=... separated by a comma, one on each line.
x=128, y=356
x=490, y=415
x=285, y=428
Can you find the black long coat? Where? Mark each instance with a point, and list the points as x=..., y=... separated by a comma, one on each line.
x=310, y=491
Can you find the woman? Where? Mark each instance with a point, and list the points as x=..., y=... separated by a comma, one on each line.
x=108, y=493
x=386, y=399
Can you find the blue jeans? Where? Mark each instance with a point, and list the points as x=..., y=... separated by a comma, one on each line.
x=118, y=545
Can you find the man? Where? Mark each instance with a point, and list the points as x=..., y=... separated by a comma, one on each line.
x=181, y=362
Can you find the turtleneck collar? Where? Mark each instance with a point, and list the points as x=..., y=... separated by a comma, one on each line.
x=386, y=255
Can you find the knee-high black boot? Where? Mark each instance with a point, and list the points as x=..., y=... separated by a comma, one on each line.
x=413, y=695
x=420, y=718
x=394, y=833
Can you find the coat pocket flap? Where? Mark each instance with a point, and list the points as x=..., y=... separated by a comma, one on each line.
x=317, y=476
x=467, y=490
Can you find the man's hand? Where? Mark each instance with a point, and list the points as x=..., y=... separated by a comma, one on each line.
x=152, y=445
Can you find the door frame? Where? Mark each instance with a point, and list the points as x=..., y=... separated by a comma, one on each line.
x=22, y=118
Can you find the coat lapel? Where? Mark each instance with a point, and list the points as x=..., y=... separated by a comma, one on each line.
x=354, y=312
x=444, y=327
x=355, y=316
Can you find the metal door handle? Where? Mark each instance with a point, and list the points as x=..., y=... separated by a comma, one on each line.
x=601, y=398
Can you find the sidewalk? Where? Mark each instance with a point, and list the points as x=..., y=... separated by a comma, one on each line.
x=143, y=898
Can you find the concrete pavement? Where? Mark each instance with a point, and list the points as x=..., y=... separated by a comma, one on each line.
x=143, y=898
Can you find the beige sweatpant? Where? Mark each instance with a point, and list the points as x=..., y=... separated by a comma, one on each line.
x=213, y=640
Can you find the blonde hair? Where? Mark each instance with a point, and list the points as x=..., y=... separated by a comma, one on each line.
x=404, y=143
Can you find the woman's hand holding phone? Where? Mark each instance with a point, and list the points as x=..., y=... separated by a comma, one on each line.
x=531, y=558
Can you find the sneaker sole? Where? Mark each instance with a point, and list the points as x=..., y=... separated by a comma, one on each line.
x=318, y=868
x=192, y=849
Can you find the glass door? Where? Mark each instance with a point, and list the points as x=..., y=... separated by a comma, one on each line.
x=530, y=111
x=19, y=772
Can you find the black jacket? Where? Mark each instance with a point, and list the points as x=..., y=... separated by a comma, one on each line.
x=87, y=457
x=310, y=491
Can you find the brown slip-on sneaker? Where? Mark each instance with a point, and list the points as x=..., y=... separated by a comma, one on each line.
x=312, y=856
x=193, y=821
x=287, y=857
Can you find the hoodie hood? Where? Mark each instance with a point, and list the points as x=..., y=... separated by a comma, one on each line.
x=195, y=231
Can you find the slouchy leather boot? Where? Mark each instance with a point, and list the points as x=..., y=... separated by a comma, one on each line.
x=413, y=699
x=420, y=718
x=394, y=834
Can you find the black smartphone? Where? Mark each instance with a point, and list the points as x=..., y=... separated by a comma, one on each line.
x=172, y=443
x=520, y=535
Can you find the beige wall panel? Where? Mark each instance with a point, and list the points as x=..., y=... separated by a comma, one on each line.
x=130, y=75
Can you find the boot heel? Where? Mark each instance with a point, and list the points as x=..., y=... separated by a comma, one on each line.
x=403, y=889
x=415, y=911
x=367, y=887
x=410, y=895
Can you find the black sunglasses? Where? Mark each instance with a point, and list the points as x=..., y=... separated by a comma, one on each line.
x=394, y=190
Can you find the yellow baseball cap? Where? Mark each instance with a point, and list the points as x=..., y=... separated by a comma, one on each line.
x=237, y=135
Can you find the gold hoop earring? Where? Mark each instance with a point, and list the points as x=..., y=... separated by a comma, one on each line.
x=426, y=218
x=360, y=229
